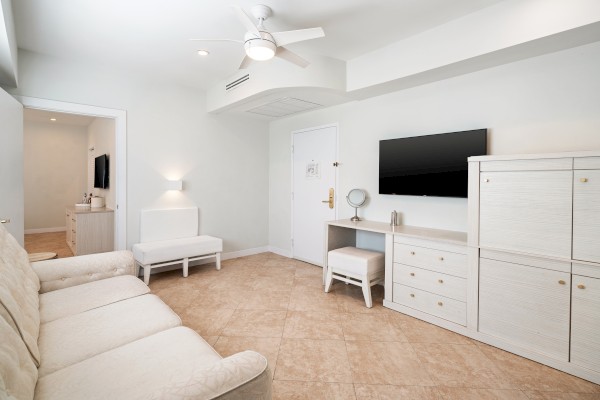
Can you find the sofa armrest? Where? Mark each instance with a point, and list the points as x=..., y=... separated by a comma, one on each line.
x=242, y=376
x=72, y=271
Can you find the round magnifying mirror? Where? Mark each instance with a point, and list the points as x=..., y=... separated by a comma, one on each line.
x=356, y=198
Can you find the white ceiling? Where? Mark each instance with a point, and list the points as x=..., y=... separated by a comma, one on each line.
x=151, y=37
x=33, y=115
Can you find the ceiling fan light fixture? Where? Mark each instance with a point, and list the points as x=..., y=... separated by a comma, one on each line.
x=260, y=49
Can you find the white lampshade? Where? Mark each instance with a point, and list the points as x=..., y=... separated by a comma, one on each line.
x=260, y=49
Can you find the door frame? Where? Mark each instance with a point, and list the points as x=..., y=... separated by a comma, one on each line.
x=335, y=125
x=120, y=118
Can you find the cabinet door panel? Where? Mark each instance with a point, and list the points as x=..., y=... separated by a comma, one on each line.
x=526, y=306
x=586, y=215
x=527, y=211
x=585, y=323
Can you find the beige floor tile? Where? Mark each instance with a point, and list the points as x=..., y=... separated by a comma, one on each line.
x=313, y=325
x=461, y=366
x=390, y=392
x=313, y=360
x=529, y=375
x=350, y=299
x=54, y=242
x=536, y=395
x=389, y=363
x=220, y=298
x=304, y=270
x=417, y=331
x=374, y=327
x=310, y=299
x=265, y=300
x=256, y=323
x=233, y=282
x=481, y=394
x=206, y=321
x=212, y=340
x=273, y=283
x=178, y=297
x=314, y=282
x=268, y=347
x=294, y=390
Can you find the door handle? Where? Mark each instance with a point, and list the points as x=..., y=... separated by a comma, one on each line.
x=5, y=221
x=330, y=200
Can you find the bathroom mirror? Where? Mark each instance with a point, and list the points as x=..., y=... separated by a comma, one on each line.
x=356, y=198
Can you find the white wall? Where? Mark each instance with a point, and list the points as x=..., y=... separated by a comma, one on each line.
x=544, y=104
x=222, y=160
x=55, y=172
x=101, y=137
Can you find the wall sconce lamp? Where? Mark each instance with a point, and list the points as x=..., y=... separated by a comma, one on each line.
x=175, y=185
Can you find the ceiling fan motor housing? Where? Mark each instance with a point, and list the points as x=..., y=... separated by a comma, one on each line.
x=260, y=48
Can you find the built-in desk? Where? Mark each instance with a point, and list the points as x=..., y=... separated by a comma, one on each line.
x=426, y=270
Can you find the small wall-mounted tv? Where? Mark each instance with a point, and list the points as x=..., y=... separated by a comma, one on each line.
x=101, y=172
x=431, y=165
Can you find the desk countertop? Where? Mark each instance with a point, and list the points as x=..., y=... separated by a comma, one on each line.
x=403, y=230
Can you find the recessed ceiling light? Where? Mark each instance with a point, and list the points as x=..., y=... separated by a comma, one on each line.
x=203, y=52
x=52, y=119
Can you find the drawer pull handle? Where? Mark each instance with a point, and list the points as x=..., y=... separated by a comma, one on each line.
x=440, y=303
x=583, y=180
x=412, y=274
x=561, y=282
x=440, y=280
x=412, y=295
x=580, y=286
x=441, y=258
x=412, y=253
x=486, y=180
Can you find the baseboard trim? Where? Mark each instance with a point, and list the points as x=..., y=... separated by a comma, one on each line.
x=280, y=251
x=46, y=230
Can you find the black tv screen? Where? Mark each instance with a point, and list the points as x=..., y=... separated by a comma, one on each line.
x=432, y=165
x=101, y=172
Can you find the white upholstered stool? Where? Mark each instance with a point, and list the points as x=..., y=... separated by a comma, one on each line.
x=359, y=267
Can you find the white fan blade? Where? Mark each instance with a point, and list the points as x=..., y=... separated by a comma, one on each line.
x=287, y=37
x=245, y=62
x=217, y=40
x=292, y=57
x=246, y=20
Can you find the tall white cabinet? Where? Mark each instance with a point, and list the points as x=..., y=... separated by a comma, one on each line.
x=535, y=220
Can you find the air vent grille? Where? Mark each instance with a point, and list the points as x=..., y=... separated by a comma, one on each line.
x=237, y=82
x=283, y=107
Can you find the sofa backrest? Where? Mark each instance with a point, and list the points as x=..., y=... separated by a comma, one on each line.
x=18, y=373
x=166, y=224
x=19, y=296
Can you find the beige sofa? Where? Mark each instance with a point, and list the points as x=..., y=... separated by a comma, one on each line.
x=86, y=328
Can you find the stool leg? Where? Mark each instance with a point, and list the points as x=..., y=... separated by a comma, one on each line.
x=146, y=274
x=218, y=257
x=185, y=267
x=366, y=288
x=328, y=280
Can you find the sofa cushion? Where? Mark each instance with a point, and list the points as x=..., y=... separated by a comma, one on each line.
x=18, y=373
x=167, y=250
x=19, y=292
x=71, y=339
x=143, y=369
x=80, y=298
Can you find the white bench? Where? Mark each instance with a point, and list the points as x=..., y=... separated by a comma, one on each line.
x=359, y=267
x=170, y=236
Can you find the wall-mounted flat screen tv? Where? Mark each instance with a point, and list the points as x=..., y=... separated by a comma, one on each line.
x=431, y=165
x=101, y=172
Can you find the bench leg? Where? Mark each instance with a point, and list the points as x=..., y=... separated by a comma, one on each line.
x=186, y=265
x=366, y=288
x=218, y=257
x=328, y=280
x=146, y=274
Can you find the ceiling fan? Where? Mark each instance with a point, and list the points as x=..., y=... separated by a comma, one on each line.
x=260, y=44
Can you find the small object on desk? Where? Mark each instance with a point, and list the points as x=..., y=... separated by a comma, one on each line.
x=34, y=257
x=356, y=198
x=394, y=218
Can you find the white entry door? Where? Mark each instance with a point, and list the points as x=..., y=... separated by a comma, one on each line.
x=11, y=166
x=314, y=181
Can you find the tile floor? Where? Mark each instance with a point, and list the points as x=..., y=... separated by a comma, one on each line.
x=329, y=346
